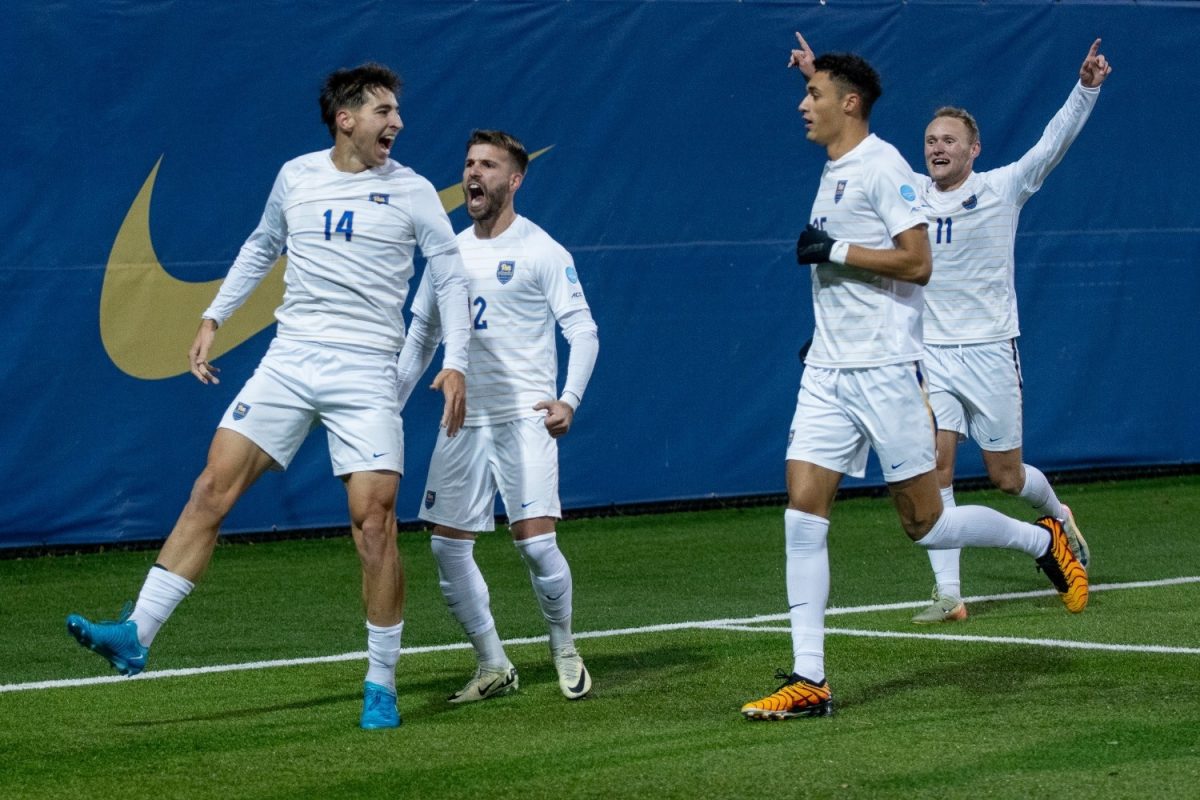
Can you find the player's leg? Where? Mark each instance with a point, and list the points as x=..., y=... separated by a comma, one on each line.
x=372, y=501
x=525, y=467
x=979, y=526
x=263, y=426
x=906, y=454
x=459, y=500
x=993, y=379
x=355, y=394
x=940, y=370
x=824, y=443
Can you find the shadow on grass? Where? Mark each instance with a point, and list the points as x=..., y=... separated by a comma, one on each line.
x=245, y=713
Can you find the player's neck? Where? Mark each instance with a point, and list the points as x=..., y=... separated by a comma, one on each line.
x=492, y=227
x=851, y=136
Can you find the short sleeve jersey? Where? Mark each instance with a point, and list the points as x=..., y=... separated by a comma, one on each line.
x=866, y=197
x=972, y=297
x=350, y=239
x=522, y=283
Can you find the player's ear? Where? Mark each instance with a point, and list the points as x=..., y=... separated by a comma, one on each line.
x=515, y=180
x=976, y=149
x=343, y=120
x=852, y=104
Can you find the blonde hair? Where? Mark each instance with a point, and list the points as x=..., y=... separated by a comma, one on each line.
x=963, y=116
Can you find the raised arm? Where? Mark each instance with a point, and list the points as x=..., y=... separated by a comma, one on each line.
x=802, y=58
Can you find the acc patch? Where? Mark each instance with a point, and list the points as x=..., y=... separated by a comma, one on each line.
x=908, y=193
x=839, y=191
x=430, y=498
x=504, y=271
x=572, y=275
x=971, y=202
x=379, y=197
x=241, y=410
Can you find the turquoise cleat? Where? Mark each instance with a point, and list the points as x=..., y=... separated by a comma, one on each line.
x=116, y=641
x=379, y=707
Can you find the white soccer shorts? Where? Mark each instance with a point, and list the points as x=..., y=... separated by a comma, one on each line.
x=518, y=458
x=351, y=391
x=976, y=389
x=842, y=413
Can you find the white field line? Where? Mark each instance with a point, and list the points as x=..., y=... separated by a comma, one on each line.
x=733, y=624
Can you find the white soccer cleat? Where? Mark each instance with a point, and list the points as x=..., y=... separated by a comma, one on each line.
x=487, y=683
x=573, y=677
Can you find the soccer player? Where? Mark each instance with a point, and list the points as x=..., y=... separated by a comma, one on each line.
x=970, y=324
x=522, y=283
x=350, y=218
x=862, y=385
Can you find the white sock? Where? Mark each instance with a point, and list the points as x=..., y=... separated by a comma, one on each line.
x=978, y=526
x=805, y=537
x=468, y=598
x=1037, y=493
x=945, y=562
x=551, y=577
x=161, y=593
x=383, y=651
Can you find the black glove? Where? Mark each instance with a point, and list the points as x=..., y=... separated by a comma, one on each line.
x=814, y=246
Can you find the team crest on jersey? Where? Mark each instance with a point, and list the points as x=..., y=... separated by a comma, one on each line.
x=504, y=272
x=430, y=498
x=839, y=191
x=908, y=193
x=241, y=410
x=970, y=202
x=572, y=275
x=379, y=197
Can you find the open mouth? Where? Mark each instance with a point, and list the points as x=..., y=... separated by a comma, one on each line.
x=940, y=162
x=476, y=196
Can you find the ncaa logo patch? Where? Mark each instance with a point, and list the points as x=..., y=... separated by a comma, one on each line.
x=504, y=272
x=908, y=193
x=241, y=410
x=430, y=498
x=839, y=191
x=572, y=275
x=970, y=202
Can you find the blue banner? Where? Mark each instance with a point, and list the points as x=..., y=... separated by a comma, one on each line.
x=145, y=138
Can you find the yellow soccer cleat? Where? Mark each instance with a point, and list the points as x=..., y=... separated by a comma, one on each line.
x=798, y=697
x=1063, y=568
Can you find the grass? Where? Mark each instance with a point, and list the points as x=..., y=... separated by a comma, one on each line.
x=915, y=717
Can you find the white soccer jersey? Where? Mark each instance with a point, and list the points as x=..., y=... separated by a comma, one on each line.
x=866, y=197
x=350, y=239
x=522, y=282
x=971, y=298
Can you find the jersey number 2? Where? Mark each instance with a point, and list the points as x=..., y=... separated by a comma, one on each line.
x=480, y=322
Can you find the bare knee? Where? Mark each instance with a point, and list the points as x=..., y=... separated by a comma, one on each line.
x=917, y=527
x=1008, y=479
x=211, y=496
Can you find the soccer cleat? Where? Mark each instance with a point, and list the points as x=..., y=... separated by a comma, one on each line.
x=945, y=608
x=1062, y=568
x=487, y=683
x=1079, y=545
x=798, y=697
x=379, y=707
x=573, y=677
x=116, y=640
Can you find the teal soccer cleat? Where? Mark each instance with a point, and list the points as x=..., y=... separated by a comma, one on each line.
x=379, y=707
x=116, y=641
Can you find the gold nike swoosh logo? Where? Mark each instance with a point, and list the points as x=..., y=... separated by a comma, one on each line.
x=148, y=318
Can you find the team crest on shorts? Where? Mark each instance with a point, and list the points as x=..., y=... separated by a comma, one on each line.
x=241, y=410
x=839, y=191
x=504, y=272
x=430, y=498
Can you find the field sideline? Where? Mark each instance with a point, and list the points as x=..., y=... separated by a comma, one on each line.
x=252, y=689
